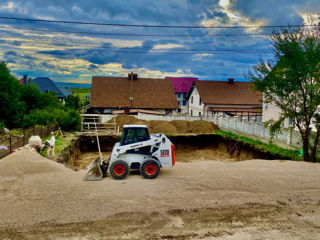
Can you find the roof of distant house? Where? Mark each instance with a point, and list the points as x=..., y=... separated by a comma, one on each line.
x=21, y=81
x=47, y=85
x=223, y=92
x=182, y=84
x=148, y=93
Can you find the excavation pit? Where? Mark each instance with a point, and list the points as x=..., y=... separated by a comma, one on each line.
x=188, y=148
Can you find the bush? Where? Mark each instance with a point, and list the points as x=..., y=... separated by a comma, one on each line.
x=67, y=119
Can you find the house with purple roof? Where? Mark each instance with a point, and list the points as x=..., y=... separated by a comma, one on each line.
x=182, y=86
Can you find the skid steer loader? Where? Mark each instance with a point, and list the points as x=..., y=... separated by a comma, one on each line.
x=136, y=150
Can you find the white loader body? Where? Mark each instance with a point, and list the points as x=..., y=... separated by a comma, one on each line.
x=136, y=150
x=161, y=149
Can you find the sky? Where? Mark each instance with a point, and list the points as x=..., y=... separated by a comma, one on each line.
x=76, y=52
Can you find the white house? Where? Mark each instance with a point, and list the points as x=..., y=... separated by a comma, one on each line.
x=224, y=97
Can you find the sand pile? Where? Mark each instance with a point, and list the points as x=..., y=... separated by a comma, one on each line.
x=27, y=162
x=173, y=127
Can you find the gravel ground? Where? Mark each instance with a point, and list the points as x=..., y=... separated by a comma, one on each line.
x=256, y=199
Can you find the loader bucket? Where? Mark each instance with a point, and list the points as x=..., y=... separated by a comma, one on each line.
x=95, y=171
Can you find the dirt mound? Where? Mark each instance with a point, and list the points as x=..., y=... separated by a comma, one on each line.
x=201, y=127
x=173, y=127
x=164, y=127
x=126, y=119
x=26, y=162
x=181, y=126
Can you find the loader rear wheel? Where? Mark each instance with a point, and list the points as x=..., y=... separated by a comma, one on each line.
x=119, y=169
x=150, y=169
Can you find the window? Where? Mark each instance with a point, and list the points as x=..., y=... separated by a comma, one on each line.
x=184, y=95
x=192, y=99
x=184, y=102
x=199, y=101
x=191, y=112
x=199, y=113
x=133, y=135
x=179, y=103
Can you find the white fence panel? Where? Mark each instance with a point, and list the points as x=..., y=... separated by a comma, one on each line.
x=256, y=128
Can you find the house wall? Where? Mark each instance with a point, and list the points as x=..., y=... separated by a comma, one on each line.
x=195, y=105
x=109, y=110
x=244, y=110
x=270, y=111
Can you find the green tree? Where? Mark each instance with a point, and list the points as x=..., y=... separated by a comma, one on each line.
x=73, y=102
x=11, y=108
x=292, y=82
x=31, y=96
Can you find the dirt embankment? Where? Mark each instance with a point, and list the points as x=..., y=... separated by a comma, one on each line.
x=188, y=148
x=172, y=127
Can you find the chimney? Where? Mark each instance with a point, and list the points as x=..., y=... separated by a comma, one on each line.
x=133, y=76
x=230, y=80
x=25, y=79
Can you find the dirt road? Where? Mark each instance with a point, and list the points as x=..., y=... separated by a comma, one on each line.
x=254, y=199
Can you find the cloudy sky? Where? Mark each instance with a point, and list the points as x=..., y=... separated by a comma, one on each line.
x=76, y=52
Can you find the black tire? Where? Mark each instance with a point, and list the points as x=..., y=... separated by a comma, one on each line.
x=119, y=169
x=150, y=169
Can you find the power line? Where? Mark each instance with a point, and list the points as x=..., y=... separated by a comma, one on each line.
x=150, y=48
x=150, y=26
x=139, y=35
x=169, y=52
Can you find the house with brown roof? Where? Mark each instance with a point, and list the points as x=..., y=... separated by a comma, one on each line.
x=224, y=97
x=132, y=94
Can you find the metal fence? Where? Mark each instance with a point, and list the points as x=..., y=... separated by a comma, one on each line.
x=9, y=143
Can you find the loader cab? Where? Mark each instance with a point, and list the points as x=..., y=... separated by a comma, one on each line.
x=134, y=134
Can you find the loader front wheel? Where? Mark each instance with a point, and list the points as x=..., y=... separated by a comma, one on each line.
x=119, y=169
x=150, y=169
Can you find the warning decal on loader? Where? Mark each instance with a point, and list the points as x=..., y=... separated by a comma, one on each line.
x=164, y=153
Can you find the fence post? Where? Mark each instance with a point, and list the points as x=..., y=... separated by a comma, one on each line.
x=10, y=143
x=253, y=123
x=24, y=136
x=235, y=119
x=33, y=130
x=290, y=135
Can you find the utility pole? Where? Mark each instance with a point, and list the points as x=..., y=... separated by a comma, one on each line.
x=131, y=90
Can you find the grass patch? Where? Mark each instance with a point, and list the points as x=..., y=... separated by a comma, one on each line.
x=81, y=92
x=268, y=147
x=61, y=143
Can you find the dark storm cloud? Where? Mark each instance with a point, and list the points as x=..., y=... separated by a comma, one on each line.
x=164, y=12
x=47, y=65
x=275, y=12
